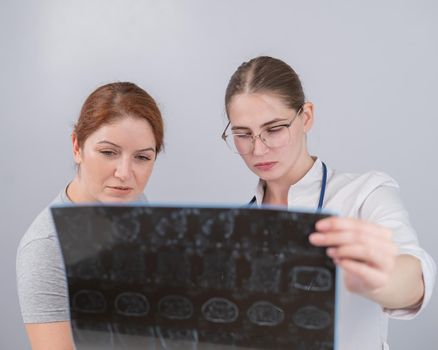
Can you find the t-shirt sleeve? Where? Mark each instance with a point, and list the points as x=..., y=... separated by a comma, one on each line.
x=41, y=282
x=384, y=206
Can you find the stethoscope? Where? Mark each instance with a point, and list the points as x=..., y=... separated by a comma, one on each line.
x=321, y=193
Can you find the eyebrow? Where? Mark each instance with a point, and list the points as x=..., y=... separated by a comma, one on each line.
x=117, y=146
x=262, y=126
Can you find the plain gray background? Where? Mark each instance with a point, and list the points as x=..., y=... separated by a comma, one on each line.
x=370, y=67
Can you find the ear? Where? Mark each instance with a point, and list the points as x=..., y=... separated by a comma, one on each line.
x=307, y=116
x=77, y=153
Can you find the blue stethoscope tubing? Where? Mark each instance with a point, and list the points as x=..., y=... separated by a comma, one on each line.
x=321, y=193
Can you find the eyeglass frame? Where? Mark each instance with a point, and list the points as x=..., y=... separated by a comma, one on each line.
x=224, y=136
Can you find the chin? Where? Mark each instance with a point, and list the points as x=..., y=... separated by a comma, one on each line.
x=124, y=199
x=268, y=176
x=128, y=199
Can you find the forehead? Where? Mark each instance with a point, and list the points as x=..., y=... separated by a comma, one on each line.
x=127, y=132
x=255, y=109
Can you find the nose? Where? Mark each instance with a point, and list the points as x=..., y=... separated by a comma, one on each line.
x=259, y=147
x=123, y=169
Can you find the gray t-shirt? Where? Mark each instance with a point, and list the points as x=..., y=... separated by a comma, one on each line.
x=41, y=277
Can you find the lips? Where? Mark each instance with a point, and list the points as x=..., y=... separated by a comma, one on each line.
x=265, y=166
x=120, y=189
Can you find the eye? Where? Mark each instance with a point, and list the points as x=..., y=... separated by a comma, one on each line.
x=108, y=153
x=143, y=157
x=242, y=136
x=275, y=129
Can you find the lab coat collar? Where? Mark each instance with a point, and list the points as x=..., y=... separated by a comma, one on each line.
x=313, y=176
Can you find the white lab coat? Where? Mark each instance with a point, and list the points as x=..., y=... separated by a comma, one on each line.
x=374, y=197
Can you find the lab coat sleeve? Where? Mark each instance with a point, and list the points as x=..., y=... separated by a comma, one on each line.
x=383, y=206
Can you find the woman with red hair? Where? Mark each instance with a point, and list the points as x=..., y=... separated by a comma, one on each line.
x=116, y=141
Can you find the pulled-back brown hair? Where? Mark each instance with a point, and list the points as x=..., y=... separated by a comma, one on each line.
x=269, y=75
x=114, y=101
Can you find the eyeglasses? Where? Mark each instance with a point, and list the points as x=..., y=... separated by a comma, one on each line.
x=273, y=137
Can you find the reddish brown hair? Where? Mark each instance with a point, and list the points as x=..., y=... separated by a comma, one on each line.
x=118, y=100
x=266, y=74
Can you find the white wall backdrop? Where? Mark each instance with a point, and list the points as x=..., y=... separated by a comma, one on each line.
x=370, y=67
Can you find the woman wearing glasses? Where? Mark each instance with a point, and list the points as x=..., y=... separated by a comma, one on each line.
x=385, y=273
x=116, y=141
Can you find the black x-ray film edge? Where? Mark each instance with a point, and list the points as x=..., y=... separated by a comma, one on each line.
x=60, y=211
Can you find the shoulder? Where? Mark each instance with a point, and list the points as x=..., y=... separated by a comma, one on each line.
x=350, y=193
x=367, y=181
x=42, y=227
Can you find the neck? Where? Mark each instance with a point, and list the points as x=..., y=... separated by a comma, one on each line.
x=73, y=191
x=276, y=191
